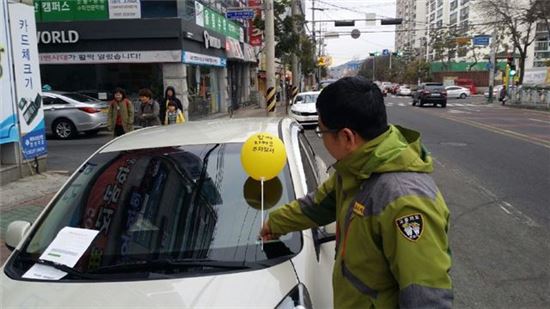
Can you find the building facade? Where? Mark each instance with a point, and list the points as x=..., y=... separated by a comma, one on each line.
x=409, y=36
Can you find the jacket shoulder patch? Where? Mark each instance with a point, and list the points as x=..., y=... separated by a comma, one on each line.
x=359, y=209
x=411, y=226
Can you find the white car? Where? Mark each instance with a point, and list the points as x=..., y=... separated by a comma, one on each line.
x=404, y=91
x=303, y=108
x=178, y=222
x=457, y=92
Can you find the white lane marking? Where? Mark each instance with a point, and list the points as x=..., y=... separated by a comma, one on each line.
x=517, y=214
x=543, y=121
x=505, y=210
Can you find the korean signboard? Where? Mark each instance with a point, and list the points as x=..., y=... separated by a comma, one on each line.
x=124, y=9
x=194, y=58
x=62, y=10
x=212, y=20
x=8, y=113
x=150, y=56
x=255, y=34
x=27, y=80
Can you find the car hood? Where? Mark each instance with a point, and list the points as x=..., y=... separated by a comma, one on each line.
x=253, y=289
x=304, y=107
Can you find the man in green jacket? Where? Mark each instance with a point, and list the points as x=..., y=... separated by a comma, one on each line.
x=392, y=248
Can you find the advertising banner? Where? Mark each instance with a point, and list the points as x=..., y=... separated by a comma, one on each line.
x=149, y=56
x=8, y=113
x=255, y=34
x=27, y=80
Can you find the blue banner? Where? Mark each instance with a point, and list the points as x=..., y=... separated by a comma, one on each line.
x=33, y=144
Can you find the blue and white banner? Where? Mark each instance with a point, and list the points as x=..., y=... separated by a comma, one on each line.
x=27, y=80
x=8, y=114
x=194, y=58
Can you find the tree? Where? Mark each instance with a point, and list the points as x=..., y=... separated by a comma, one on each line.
x=518, y=19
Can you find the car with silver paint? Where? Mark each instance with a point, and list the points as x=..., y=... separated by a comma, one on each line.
x=68, y=113
x=457, y=92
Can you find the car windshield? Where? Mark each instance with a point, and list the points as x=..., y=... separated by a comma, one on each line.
x=167, y=204
x=306, y=98
x=81, y=98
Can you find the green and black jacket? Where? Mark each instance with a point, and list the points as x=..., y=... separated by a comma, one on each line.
x=392, y=248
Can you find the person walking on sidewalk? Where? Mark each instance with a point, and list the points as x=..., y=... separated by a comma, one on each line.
x=149, y=109
x=392, y=248
x=169, y=95
x=120, y=116
x=173, y=114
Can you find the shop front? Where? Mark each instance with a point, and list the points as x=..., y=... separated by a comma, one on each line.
x=98, y=56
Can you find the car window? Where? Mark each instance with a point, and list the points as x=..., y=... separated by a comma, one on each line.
x=157, y=203
x=59, y=101
x=308, y=156
x=306, y=98
x=47, y=100
x=80, y=97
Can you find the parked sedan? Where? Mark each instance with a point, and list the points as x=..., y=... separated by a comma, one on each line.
x=457, y=92
x=303, y=108
x=68, y=113
x=496, y=91
x=167, y=217
x=404, y=91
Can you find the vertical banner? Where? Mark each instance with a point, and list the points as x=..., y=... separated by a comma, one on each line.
x=255, y=34
x=8, y=113
x=27, y=80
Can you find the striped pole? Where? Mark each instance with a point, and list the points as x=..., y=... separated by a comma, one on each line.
x=294, y=93
x=270, y=98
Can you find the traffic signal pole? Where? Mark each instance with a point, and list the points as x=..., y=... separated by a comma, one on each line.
x=492, y=67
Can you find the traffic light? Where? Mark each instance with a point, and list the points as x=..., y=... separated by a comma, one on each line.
x=391, y=21
x=344, y=23
x=513, y=69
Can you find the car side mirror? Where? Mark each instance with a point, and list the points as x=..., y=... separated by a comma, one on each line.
x=15, y=233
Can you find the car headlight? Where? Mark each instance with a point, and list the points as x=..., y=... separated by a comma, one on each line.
x=297, y=298
x=296, y=112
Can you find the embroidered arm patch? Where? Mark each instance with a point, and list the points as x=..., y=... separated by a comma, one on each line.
x=411, y=226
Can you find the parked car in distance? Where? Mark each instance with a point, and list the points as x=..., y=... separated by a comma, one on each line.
x=324, y=83
x=433, y=93
x=457, y=92
x=496, y=91
x=100, y=95
x=176, y=222
x=68, y=113
x=404, y=91
x=303, y=108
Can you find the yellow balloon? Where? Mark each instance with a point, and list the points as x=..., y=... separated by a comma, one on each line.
x=263, y=156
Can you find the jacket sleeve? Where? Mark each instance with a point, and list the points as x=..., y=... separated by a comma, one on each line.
x=315, y=209
x=415, y=243
x=130, y=108
x=180, y=118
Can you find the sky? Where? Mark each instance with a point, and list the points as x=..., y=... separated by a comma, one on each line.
x=345, y=48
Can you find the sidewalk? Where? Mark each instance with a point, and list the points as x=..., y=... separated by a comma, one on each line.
x=25, y=198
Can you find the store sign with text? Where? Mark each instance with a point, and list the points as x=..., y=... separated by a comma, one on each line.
x=124, y=9
x=57, y=37
x=212, y=20
x=149, y=56
x=65, y=10
x=200, y=59
x=255, y=34
x=27, y=80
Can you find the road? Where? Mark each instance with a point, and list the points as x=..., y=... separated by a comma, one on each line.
x=492, y=164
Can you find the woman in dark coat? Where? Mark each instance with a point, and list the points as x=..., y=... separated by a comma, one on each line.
x=169, y=95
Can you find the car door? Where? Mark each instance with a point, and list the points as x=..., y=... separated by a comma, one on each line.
x=49, y=115
x=323, y=240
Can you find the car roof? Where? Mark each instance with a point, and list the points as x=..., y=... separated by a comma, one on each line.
x=309, y=92
x=196, y=133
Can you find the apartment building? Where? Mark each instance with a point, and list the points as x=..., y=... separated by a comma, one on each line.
x=538, y=54
x=409, y=35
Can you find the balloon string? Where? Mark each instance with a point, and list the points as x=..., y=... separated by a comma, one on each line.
x=262, y=201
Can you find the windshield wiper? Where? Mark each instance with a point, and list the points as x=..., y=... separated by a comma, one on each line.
x=69, y=270
x=151, y=265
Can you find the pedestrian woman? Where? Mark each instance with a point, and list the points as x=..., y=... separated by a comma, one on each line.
x=120, y=117
x=149, y=109
x=169, y=95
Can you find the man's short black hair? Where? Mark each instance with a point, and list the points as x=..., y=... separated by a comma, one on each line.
x=354, y=103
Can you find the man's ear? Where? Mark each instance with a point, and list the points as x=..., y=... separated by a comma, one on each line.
x=349, y=135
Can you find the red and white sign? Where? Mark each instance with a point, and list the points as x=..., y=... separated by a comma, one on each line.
x=255, y=34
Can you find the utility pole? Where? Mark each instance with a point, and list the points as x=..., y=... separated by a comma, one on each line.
x=492, y=65
x=295, y=64
x=270, y=45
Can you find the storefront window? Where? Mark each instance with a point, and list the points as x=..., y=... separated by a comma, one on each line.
x=202, y=84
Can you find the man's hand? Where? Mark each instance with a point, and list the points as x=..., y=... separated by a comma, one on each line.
x=265, y=233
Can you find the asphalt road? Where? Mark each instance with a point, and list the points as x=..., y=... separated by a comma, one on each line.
x=492, y=164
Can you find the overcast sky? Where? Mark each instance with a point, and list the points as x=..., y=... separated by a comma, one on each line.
x=345, y=48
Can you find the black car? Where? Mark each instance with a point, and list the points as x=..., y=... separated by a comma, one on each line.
x=433, y=93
